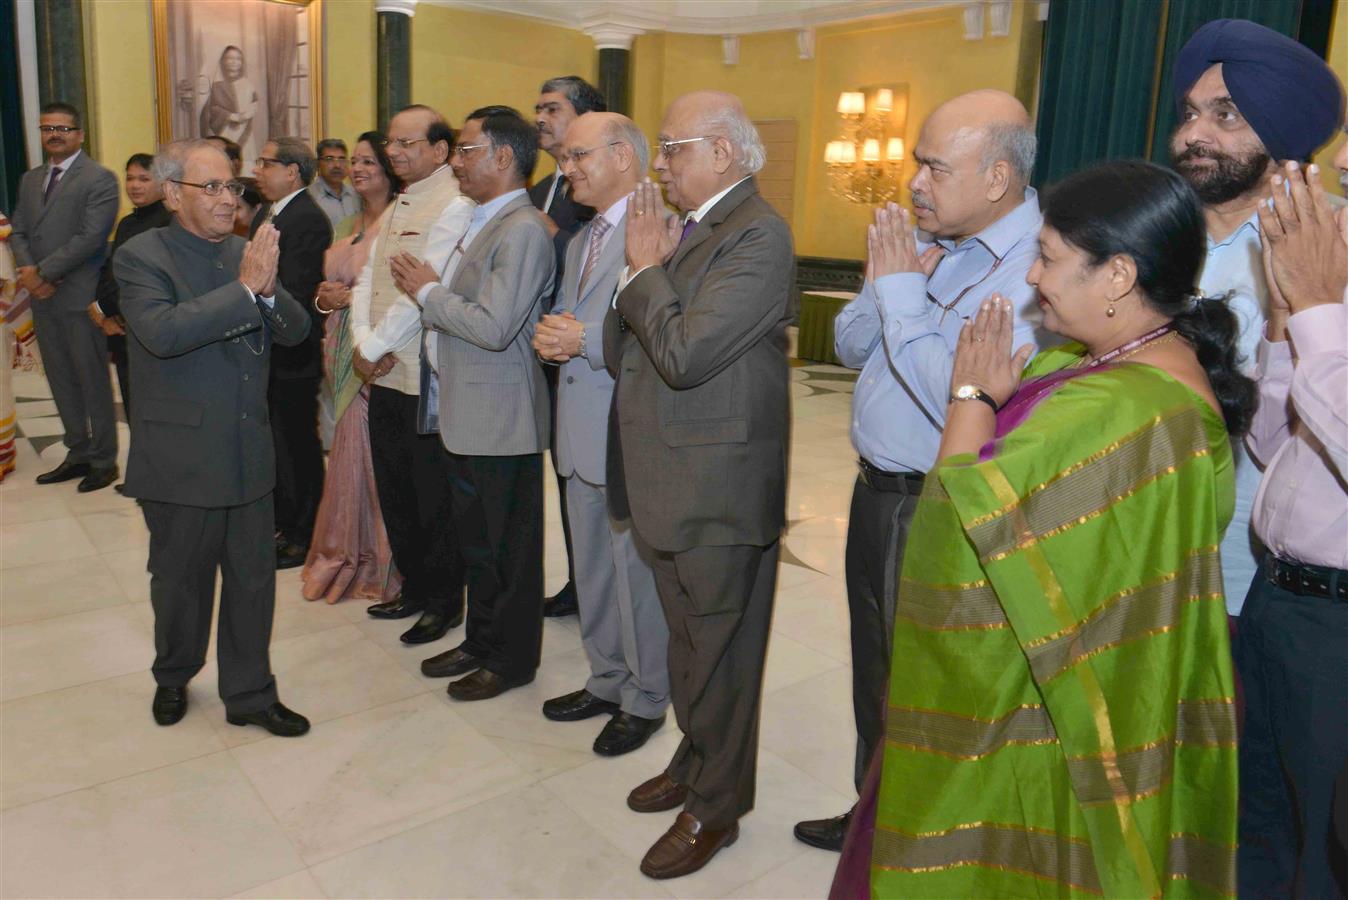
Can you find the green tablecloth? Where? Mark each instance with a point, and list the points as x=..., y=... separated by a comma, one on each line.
x=815, y=339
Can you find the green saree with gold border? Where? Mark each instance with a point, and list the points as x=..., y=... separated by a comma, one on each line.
x=1061, y=718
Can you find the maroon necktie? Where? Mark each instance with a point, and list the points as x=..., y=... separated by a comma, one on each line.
x=51, y=184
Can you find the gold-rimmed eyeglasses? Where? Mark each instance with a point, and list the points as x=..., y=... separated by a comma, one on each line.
x=667, y=149
x=213, y=188
x=575, y=156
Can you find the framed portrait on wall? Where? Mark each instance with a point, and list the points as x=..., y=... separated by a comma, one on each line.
x=250, y=70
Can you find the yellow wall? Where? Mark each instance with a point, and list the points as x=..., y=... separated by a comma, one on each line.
x=1338, y=61
x=462, y=60
x=348, y=70
x=120, y=82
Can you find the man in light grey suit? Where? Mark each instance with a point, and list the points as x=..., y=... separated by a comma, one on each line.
x=493, y=402
x=65, y=212
x=621, y=623
x=697, y=451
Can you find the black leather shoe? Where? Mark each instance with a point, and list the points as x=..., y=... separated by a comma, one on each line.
x=276, y=718
x=577, y=705
x=430, y=627
x=482, y=685
x=290, y=556
x=66, y=471
x=97, y=479
x=625, y=733
x=826, y=834
x=397, y=608
x=170, y=704
x=562, y=603
x=450, y=663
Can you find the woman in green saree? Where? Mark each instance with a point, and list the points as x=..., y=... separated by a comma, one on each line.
x=1060, y=716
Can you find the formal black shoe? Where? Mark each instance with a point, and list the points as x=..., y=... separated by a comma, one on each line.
x=430, y=627
x=66, y=471
x=826, y=834
x=450, y=663
x=562, y=603
x=625, y=733
x=577, y=705
x=482, y=685
x=397, y=608
x=290, y=556
x=276, y=718
x=97, y=479
x=170, y=704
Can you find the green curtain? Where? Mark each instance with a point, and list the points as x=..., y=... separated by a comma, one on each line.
x=13, y=156
x=1102, y=93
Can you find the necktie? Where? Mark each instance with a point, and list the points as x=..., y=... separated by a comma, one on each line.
x=51, y=185
x=687, y=229
x=598, y=228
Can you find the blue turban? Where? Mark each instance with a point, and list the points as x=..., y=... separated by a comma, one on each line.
x=1289, y=95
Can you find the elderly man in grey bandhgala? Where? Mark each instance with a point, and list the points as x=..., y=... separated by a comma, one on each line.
x=203, y=311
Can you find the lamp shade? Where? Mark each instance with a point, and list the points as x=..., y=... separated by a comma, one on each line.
x=847, y=153
x=895, y=149
x=884, y=100
x=851, y=103
x=870, y=151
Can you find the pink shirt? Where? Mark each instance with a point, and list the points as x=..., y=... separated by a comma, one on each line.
x=1301, y=432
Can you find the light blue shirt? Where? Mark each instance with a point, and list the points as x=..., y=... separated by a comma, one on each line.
x=336, y=206
x=899, y=334
x=1235, y=265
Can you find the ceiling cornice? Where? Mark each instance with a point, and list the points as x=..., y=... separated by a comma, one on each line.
x=604, y=16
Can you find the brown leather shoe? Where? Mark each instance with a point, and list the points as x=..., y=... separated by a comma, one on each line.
x=686, y=847
x=482, y=685
x=659, y=794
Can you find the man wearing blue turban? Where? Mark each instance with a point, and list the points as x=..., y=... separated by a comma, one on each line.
x=1250, y=100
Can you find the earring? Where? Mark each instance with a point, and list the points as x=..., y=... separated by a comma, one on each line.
x=1110, y=312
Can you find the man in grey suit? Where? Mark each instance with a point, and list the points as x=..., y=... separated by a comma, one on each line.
x=493, y=403
x=203, y=311
x=701, y=417
x=65, y=212
x=621, y=623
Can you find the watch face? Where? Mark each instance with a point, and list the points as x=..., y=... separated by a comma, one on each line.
x=966, y=391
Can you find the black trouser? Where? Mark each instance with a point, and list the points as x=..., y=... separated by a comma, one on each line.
x=293, y=405
x=552, y=373
x=187, y=545
x=117, y=350
x=75, y=356
x=411, y=475
x=1292, y=655
x=718, y=603
x=498, y=515
x=877, y=531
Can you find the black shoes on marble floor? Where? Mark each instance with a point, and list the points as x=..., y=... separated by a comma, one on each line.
x=577, y=705
x=622, y=734
x=91, y=479
x=562, y=603
x=430, y=627
x=170, y=705
x=826, y=834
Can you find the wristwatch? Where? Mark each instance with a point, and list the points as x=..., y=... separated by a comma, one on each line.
x=972, y=392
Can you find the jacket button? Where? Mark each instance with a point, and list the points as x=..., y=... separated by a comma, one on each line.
x=236, y=340
x=245, y=377
x=245, y=415
x=570, y=379
x=219, y=265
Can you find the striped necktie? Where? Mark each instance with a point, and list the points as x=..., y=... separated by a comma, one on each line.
x=598, y=228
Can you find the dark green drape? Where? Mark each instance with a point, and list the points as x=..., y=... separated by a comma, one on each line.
x=13, y=157
x=1103, y=92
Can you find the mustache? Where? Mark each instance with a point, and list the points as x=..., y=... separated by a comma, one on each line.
x=921, y=200
x=1198, y=151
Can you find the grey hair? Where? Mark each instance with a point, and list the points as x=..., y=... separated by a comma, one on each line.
x=171, y=160
x=583, y=96
x=731, y=123
x=293, y=151
x=626, y=130
x=1014, y=143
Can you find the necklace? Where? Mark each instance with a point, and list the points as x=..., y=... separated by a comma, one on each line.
x=1166, y=332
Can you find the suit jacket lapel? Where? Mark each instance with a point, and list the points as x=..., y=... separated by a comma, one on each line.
x=715, y=216
x=482, y=239
x=610, y=256
x=67, y=177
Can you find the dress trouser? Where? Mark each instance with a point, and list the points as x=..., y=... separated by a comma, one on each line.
x=1292, y=654
x=621, y=623
x=497, y=504
x=718, y=603
x=75, y=355
x=187, y=545
x=117, y=350
x=877, y=532
x=551, y=374
x=293, y=405
x=411, y=475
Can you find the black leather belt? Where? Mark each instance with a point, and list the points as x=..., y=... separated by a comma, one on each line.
x=878, y=479
x=1307, y=581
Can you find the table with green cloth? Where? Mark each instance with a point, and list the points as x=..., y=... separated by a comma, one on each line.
x=817, y=311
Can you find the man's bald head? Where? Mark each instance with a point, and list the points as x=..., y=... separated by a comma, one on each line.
x=722, y=147
x=975, y=157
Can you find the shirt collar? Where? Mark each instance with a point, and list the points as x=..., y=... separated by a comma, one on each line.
x=1006, y=232
x=615, y=214
x=326, y=188
x=486, y=211
x=64, y=166
x=701, y=212
x=430, y=181
x=281, y=204
x=1249, y=229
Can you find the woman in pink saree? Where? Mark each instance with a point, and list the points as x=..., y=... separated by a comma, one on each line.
x=349, y=555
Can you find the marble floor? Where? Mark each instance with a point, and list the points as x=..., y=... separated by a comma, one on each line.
x=398, y=791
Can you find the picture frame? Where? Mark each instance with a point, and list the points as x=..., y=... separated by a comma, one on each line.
x=250, y=70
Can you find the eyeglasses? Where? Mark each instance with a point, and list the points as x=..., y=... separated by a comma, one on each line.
x=575, y=156
x=403, y=142
x=332, y=159
x=269, y=161
x=213, y=188
x=667, y=149
x=462, y=149
x=57, y=129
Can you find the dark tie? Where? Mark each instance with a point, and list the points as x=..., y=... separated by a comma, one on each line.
x=687, y=229
x=51, y=185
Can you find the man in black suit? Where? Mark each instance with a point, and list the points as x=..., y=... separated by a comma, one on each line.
x=203, y=311
x=283, y=171
x=561, y=101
